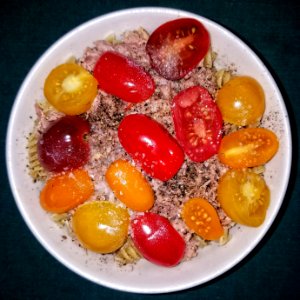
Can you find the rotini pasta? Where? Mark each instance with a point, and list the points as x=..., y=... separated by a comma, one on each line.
x=60, y=219
x=209, y=59
x=127, y=254
x=222, y=77
x=36, y=171
x=225, y=237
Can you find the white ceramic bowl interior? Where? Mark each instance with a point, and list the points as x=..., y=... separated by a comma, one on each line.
x=144, y=277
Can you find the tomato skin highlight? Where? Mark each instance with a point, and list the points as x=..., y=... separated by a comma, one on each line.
x=70, y=89
x=201, y=217
x=244, y=196
x=101, y=226
x=129, y=185
x=62, y=146
x=198, y=123
x=249, y=147
x=241, y=101
x=157, y=240
x=151, y=146
x=176, y=47
x=121, y=77
x=65, y=191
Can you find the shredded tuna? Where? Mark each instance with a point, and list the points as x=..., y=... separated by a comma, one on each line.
x=105, y=114
x=192, y=180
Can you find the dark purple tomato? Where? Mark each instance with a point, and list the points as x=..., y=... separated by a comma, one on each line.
x=64, y=146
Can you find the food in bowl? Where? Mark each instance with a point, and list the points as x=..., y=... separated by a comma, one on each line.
x=145, y=174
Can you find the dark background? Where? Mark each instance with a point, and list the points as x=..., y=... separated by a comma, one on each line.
x=271, y=28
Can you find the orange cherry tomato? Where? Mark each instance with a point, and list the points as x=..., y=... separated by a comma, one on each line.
x=248, y=147
x=201, y=217
x=66, y=191
x=101, y=226
x=244, y=196
x=241, y=101
x=70, y=89
x=129, y=185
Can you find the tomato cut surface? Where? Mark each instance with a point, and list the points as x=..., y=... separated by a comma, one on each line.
x=151, y=146
x=201, y=217
x=177, y=46
x=244, y=196
x=70, y=89
x=121, y=77
x=66, y=191
x=157, y=240
x=101, y=226
x=248, y=147
x=129, y=185
x=198, y=123
x=241, y=101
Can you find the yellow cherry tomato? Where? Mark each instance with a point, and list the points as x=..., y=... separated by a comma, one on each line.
x=129, y=185
x=244, y=196
x=241, y=101
x=201, y=217
x=70, y=89
x=101, y=226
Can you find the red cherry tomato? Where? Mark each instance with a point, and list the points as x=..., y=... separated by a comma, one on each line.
x=198, y=123
x=176, y=47
x=63, y=146
x=151, y=146
x=157, y=240
x=121, y=77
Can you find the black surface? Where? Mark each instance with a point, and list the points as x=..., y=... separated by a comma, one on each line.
x=271, y=28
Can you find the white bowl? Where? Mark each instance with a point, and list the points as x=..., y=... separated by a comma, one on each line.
x=144, y=277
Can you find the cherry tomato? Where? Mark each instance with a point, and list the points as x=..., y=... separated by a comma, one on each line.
x=101, y=226
x=198, y=123
x=157, y=240
x=63, y=146
x=70, y=89
x=248, y=147
x=66, y=191
x=201, y=217
x=129, y=185
x=121, y=77
x=244, y=196
x=177, y=46
x=241, y=101
x=151, y=146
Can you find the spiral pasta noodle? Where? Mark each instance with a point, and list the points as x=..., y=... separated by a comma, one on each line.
x=222, y=77
x=36, y=171
x=127, y=254
x=209, y=58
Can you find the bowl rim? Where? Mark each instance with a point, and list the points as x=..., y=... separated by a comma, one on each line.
x=9, y=139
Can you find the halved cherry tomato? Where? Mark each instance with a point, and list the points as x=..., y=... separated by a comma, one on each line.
x=201, y=217
x=101, y=226
x=129, y=185
x=151, y=146
x=241, y=101
x=244, y=196
x=157, y=240
x=121, y=77
x=248, y=147
x=198, y=123
x=177, y=46
x=70, y=89
x=66, y=191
